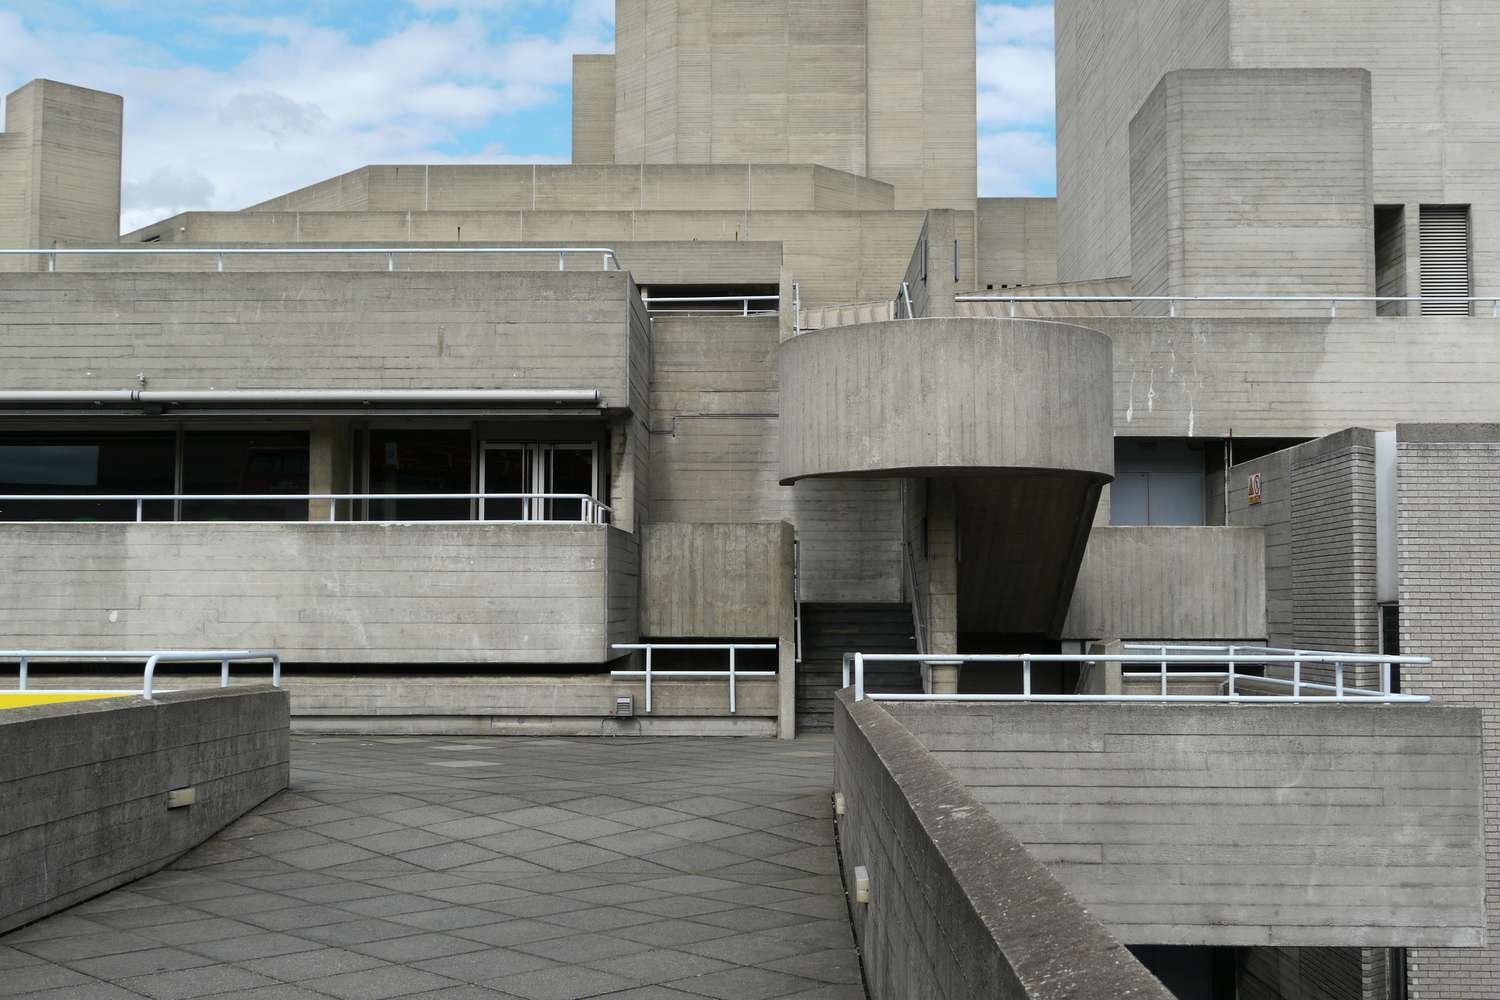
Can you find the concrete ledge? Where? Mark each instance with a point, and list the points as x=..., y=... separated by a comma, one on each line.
x=946, y=396
x=1237, y=825
x=83, y=788
x=958, y=907
x=1184, y=583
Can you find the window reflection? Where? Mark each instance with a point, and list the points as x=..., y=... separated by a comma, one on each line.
x=243, y=463
x=99, y=463
x=420, y=462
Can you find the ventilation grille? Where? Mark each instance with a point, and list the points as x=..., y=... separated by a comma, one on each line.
x=1445, y=259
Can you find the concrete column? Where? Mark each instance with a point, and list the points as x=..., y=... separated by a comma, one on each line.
x=1413, y=256
x=942, y=567
x=328, y=467
x=786, y=689
x=941, y=676
x=629, y=455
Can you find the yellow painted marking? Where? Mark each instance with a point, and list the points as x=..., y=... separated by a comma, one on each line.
x=13, y=700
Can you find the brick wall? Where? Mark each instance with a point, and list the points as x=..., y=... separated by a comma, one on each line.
x=1448, y=535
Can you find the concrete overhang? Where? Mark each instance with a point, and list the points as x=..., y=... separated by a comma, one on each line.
x=947, y=397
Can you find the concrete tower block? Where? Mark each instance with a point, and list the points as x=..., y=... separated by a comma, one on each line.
x=1255, y=182
x=594, y=109
x=60, y=166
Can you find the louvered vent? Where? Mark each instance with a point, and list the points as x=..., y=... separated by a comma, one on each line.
x=1445, y=259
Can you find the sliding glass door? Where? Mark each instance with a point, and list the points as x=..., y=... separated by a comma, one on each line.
x=535, y=468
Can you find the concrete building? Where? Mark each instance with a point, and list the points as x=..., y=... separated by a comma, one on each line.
x=759, y=369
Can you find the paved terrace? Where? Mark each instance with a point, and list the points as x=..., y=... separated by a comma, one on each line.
x=460, y=869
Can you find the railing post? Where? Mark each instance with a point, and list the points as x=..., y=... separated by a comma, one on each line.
x=390, y=262
x=1172, y=308
x=22, y=686
x=1232, y=665
x=1164, y=670
x=140, y=505
x=731, y=680
x=1385, y=677
x=1296, y=678
x=859, y=676
x=1010, y=308
x=221, y=262
x=604, y=262
x=276, y=670
x=1333, y=308
x=223, y=673
x=560, y=264
x=1026, y=675
x=846, y=671
x=51, y=262
x=1338, y=681
x=648, y=678
x=1495, y=308
x=146, y=677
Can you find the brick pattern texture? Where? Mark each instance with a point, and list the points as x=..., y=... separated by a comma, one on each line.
x=1449, y=539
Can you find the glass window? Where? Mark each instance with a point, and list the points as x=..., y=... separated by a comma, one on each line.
x=107, y=463
x=240, y=462
x=570, y=469
x=508, y=469
x=414, y=461
x=538, y=468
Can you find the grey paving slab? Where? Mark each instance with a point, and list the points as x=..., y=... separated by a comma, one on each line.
x=560, y=869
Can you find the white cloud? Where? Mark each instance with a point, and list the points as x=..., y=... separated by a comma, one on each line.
x=1016, y=163
x=307, y=102
x=1017, y=99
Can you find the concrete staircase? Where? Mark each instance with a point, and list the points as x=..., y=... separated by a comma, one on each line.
x=829, y=631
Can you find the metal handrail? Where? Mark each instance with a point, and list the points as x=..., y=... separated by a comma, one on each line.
x=1296, y=657
x=1172, y=300
x=919, y=626
x=1343, y=694
x=607, y=255
x=591, y=511
x=744, y=301
x=689, y=647
x=151, y=660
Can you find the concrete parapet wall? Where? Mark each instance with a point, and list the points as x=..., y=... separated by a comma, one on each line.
x=837, y=255
x=1304, y=826
x=958, y=907
x=324, y=593
x=954, y=395
x=83, y=788
x=717, y=580
x=1298, y=377
x=333, y=330
x=1170, y=583
x=588, y=187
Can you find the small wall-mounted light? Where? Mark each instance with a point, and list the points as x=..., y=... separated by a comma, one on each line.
x=861, y=885
x=179, y=798
x=839, y=806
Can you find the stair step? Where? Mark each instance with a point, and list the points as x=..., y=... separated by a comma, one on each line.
x=829, y=631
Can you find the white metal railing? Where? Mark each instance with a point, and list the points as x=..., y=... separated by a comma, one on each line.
x=732, y=676
x=718, y=304
x=1332, y=301
x=797, y=597
x=150, y=660
x=919, y=627
x=854, y=672
x=1296, y=658
x=535, y=507
x=606, y=255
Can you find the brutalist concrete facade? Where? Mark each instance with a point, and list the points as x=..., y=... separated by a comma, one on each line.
x=836, y=437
